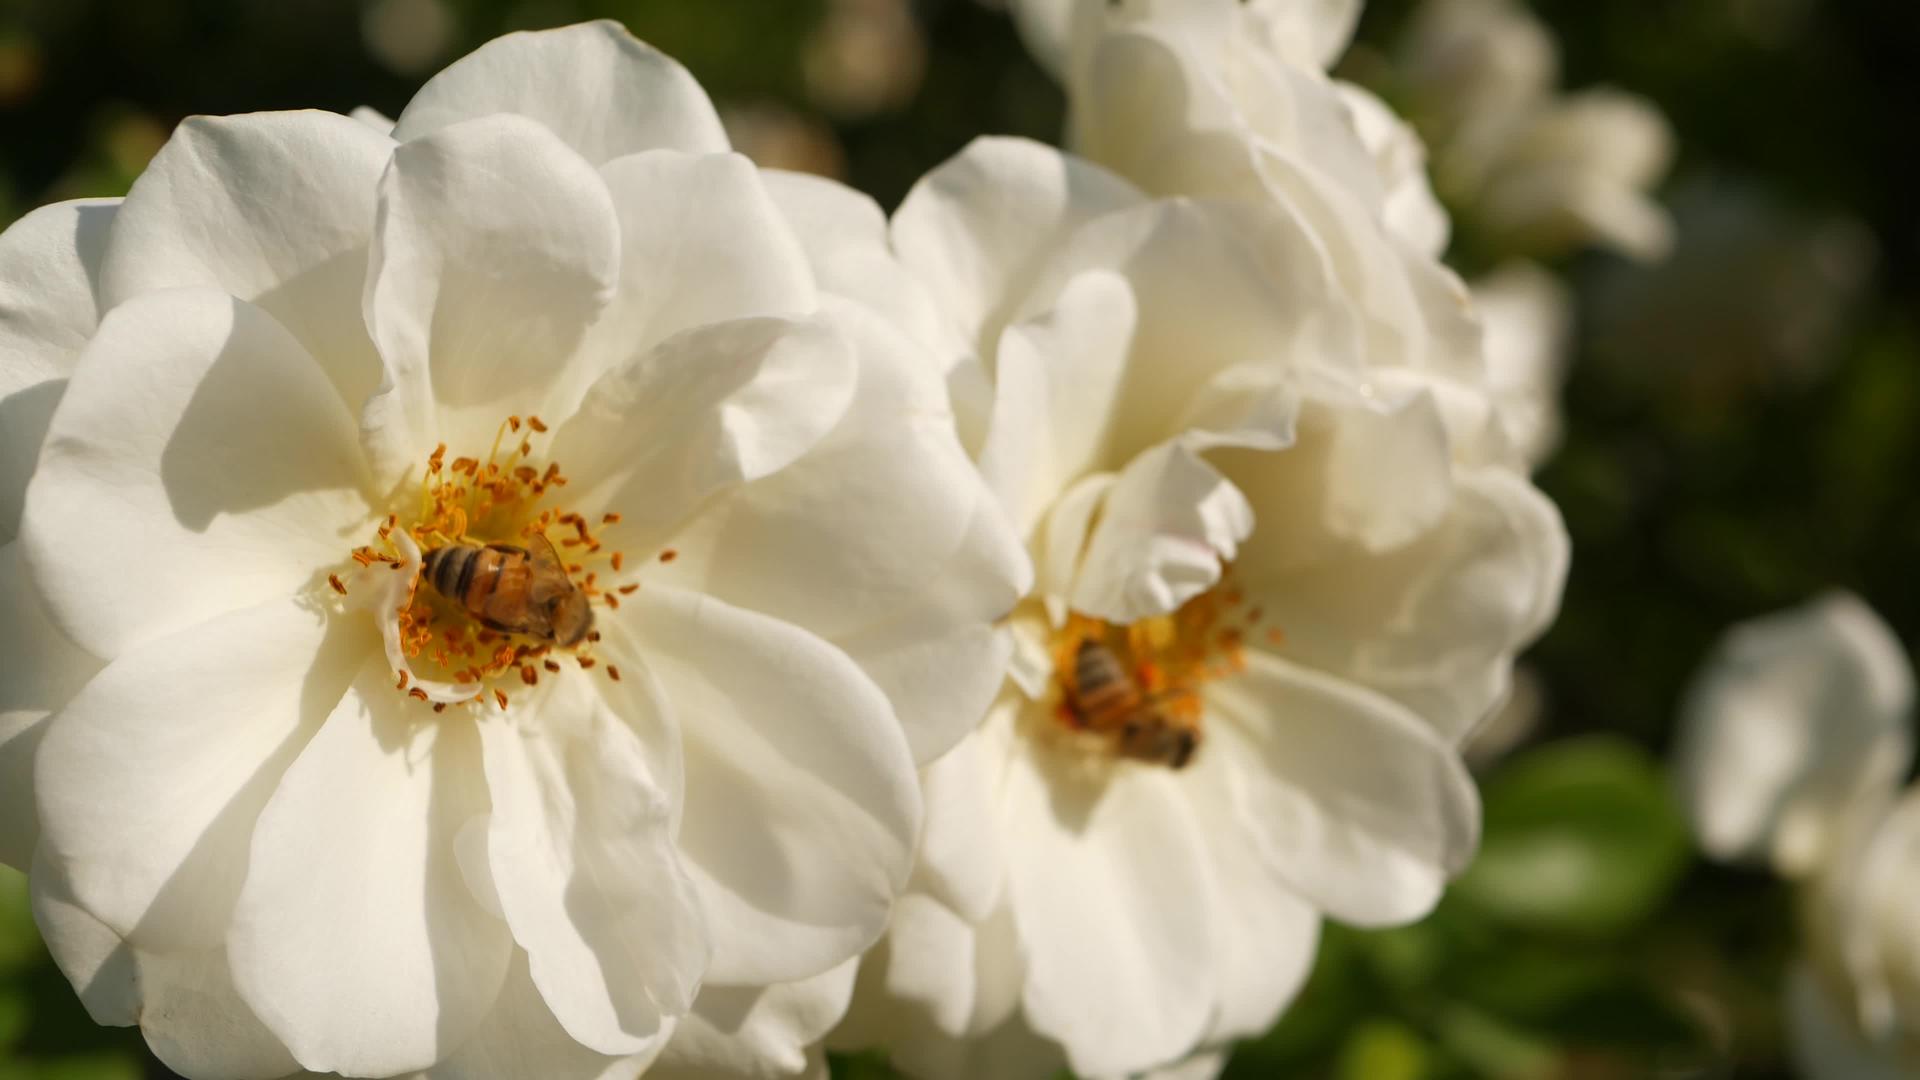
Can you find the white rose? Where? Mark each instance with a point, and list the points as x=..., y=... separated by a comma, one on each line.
x=1538, y=171
x=1267, y=524
x=1794, y=722
x=299, y=338
x=1794, y=738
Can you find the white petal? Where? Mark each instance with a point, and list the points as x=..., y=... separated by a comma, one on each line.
x=274, y=208
x=1216, y=285
x=1056, y=378
x=604, y=92
x=151, y=778
x=801, y=807
x=1792, y=718
x=520, y=1038
x=701, y=413
x=1112, y=899
x=967, y=976
x=1169, y=523
x=757, y=1032
x=49, y=272
x=1309, y=31
x=356, y=938
x=582, y=856
x=495, y=248
x=200, y=462
x=844, y=234
x=1434, y=624
x=1363, y=808
x=962, y=861
x=907, y=556
x=1364, y=474
x=372, y=118
x=1528, y=315
x=196, y=1023
x=101, y=966
x=1267, y=935
x=43, y=671
x=700, y=242
x=977, y=228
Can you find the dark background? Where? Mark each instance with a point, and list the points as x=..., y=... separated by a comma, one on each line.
x=1741, y=435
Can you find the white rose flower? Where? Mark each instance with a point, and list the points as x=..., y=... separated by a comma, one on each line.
x=312, y=812
x=1260, y=527
x=1539, y=172
x=1794, y=722
x=1794, y=739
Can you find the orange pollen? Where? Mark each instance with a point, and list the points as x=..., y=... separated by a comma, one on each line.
x=476, y=502
x=618, y=559
x=669, y=555
x=613, y=673
x=585, y=662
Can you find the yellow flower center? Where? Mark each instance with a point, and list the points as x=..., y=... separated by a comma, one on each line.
x=1133, y=691
x=503, y=584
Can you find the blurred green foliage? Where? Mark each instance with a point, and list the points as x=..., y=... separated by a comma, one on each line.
x=1704, y=478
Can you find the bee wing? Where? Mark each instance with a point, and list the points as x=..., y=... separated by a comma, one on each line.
x=549, y=572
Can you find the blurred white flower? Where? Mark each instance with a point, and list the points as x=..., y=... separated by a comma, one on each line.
x=1794, y=740
x=1796, y=721
x=1854, y=1001
x=312, y=814
x=1269, y=531
x=1537, y=172
x=1526, y=315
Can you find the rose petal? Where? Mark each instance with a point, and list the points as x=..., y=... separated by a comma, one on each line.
x=1793, y=718
x=601, y=90
x=44, y=670
x=1363, y=808
x=274, y=208
x=908, y=557
x=49, y=270
x=701, y=242
x=710, y=409
x=758, y=1032
x=521, y=1038
x=582, y=856
x=356, y=938
x=201, y=462
x=977, y=229
x=151, y=778
x=801, y=807
x=495, y=248
x=1111, y=898
x=845, y=236
x=1169, y=524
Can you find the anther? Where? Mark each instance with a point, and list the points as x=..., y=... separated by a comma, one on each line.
x=338, y=585
x=629, y=590
x=613, y=673
x=669, y=555
x=402, y=684
x=501, y=697
x=550, y=666
x=585, y=662
x=528, y=675
x=417, y=693
x=534, y=423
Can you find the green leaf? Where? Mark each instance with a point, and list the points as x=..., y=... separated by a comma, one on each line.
x=1582, y=837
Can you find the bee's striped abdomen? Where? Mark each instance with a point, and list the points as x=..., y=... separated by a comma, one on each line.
x=1103, y=693
x=450, y=570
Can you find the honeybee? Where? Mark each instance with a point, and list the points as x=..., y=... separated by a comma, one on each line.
x=1160, y=728
x=513, y=589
